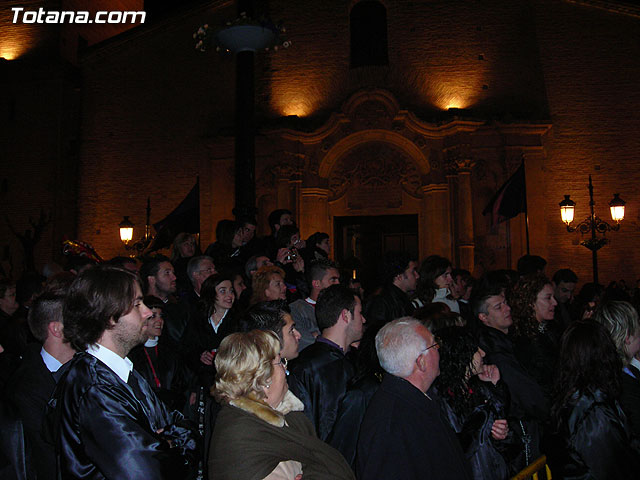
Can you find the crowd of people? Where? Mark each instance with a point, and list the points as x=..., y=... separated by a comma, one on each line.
x=261, y=359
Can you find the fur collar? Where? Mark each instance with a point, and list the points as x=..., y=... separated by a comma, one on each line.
x=260, y=409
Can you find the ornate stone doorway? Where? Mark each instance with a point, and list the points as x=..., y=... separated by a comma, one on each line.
x=361, y=241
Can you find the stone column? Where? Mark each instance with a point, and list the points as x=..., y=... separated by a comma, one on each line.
x=465, y=240
x=435, y=229
x=314, y=211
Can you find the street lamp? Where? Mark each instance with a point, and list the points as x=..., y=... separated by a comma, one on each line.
x=126, y=230
x=593, y=224
x=126, y=233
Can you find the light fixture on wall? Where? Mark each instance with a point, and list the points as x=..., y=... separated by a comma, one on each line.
x=593, y=224
x=126, y=233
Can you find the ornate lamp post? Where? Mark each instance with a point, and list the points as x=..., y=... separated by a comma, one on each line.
x=126, y=233
x=593, y=224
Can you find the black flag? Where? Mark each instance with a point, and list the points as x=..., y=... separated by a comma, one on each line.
x=510, y=200
x=185, y=218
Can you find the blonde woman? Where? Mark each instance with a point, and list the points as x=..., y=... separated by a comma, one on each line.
x=261, y=431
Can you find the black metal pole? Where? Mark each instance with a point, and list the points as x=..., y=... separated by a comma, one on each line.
x=594, y=251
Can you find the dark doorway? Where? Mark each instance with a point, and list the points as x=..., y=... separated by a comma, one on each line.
x=361, y=241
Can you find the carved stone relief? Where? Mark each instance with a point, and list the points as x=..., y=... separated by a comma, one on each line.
x=374, y=175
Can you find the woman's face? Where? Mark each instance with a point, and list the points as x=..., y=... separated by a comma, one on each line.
x=277, y=290
x=188, y=248
x=224, y=295
x=238, y=285
x=545, y=304
x=324, y=245
x=477, y=363
x=155, y=323
x=277, y=386
x=445, y=280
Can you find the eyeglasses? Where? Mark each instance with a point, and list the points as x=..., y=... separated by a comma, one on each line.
x=209, y=270
x=283, y=362
x=435, y=345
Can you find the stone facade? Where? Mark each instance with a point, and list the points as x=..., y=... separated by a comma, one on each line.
x=470, y=89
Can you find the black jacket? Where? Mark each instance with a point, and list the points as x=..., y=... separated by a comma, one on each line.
x=593, y=441
x=527, y=397
x=404, y=436
x=28, y=391
x=323, y=372
x=390, y=304
x=104, y=430
x=630, y=398
x=176, y=380
x=201, y=336
x=539, y=356
x=488, y=457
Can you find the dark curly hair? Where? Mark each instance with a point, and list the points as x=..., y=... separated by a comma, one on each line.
x=521, y=298
x=457, y=347
x=588, y=361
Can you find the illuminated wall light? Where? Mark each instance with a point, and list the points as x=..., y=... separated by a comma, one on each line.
x=299, y=108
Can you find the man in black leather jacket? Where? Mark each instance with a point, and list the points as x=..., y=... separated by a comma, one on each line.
x=108, y=422
x=323, y=369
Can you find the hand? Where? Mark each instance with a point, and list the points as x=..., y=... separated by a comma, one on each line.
x=192, y=398
x=298, y=264
x=206, y=357
x=298, y=477
x=282, y=255
x=489, y=373
x=500, y=429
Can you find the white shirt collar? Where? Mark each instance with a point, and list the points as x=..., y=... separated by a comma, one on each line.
x=635, y=362
x=120, y=366
x=50, y=361
x=151, y=342
x=310, y=301
x=216, y=327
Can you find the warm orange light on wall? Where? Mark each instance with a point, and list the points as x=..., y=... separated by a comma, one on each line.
x=299, y=108
x=11, y=52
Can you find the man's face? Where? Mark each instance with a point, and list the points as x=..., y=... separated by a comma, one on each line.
x=248, y=231
x=331, y=277
x=132, y=328
x=205, y=270
x=8, y=303
x=285, y=219
x=498, y=314
x=238, y=285
x=290, y=338
x=165, y=279
x=563, y=291
x=458, y=287
x=408, y=279
x=355, y=327
x=431, y=356
x=262, y=261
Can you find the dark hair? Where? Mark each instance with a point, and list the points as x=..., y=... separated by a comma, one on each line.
x=208, y=293
x=6, y=284
x=120, y=261
x=331, y=302
x=265, y=316
x=226, y=230
x=78, y=262
x=274, y=218
x=60, y=281
x=457, y=347
x=528, y=264
x=152, y=301
x=317, y=270
x=394, y=263
x=315, y=239
x=29, y=285
x=490, y=285
x=283, y=237
x=150, y=268
x=521, y=299
x=565, y=275
x=45, y=308
x=436, y=316
x=99, y=296
x=588, y=361
x=432, y=267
